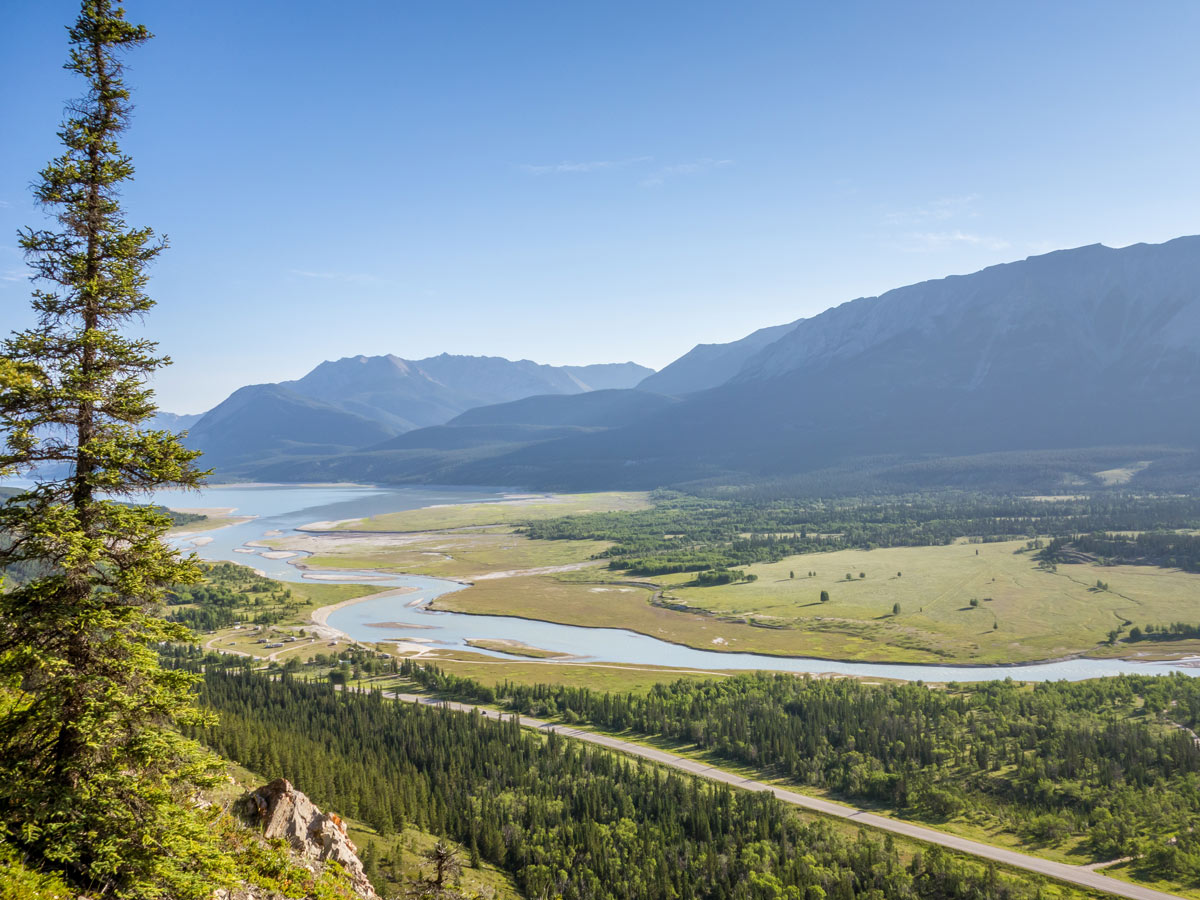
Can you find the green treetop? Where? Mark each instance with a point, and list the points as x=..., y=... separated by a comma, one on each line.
x=94, y=779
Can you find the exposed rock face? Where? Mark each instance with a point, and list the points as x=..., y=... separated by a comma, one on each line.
x=284, y=812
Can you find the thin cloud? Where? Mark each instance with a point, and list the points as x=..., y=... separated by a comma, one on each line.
x=4, y=204
x=939, y=210
x=15, y=275
x=1038, y=247
x=576, y=168
x=349, y=277
x=932, y=241
x=697, y=167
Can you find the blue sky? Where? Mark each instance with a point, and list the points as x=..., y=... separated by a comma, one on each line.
x=593, y=182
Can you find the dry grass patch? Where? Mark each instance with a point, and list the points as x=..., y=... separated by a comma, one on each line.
x=455, y=554
x=500, y=512
x=1020, y=612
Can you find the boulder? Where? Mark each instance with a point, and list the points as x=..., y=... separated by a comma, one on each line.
x=281, y=811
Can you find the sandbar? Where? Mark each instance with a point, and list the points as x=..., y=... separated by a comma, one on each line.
x=320, y=617
x=331, y=576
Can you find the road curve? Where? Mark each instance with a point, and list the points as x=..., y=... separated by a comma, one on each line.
x=1079, y=875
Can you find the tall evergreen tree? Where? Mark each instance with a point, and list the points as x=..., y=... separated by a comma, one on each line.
x=94, y=779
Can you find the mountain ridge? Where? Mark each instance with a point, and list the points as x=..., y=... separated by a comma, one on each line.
x=358, y=401
x=709, y=365
x=1085, y=348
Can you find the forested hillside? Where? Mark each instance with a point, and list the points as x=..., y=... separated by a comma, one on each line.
x=1147, y=549
x=567, y=820
x=1111, y=763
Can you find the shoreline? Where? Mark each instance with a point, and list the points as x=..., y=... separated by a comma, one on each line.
x=292, y=484
x=182, y=532
x=1193, y=660
x=319, y=618
x=517, y=649
x=352, y=575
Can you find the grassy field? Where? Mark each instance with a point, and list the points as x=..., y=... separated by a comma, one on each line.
x=1022, y=612
x=628, y=606
x=502, y=512
x=454, y=554
x=612, y=677
x=313, y=595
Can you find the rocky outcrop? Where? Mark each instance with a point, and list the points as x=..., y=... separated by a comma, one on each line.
x=281, y=811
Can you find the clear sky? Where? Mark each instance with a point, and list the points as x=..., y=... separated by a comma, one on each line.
x=579, y=182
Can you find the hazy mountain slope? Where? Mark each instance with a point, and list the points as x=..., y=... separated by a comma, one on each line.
x=1084, y=348
x=708, y=365
x=264, y=421
x=479, y=435
x=596, y=408
x=392, y=391
x=406, y=394
x=1099, y=306
x=462, y=437
x=609, y=376
x=1079, y=348
x=493, y=379
x=168, y=421
x=394, y=395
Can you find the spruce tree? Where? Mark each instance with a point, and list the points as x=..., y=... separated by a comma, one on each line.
x=95, y=780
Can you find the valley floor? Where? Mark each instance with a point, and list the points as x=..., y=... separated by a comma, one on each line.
x=964, y=603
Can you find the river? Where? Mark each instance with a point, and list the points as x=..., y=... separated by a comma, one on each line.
x=284, y=508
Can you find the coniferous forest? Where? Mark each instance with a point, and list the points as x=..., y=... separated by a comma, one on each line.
x=1114, y=761
x=565, y=819
x=695, y=532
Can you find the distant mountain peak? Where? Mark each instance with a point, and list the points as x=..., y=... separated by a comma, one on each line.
x=360, y=400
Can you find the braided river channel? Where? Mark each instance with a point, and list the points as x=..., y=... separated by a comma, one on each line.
x=284, y=508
